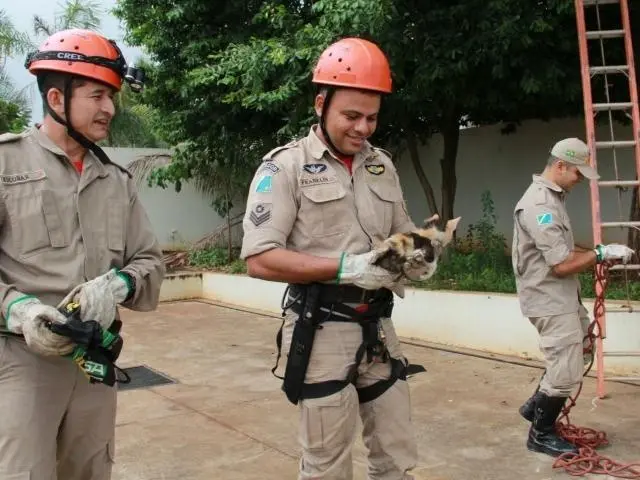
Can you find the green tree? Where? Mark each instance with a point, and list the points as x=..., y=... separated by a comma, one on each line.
x=14, y=110
x=233, y=79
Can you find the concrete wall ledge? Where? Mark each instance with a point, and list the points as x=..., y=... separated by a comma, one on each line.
x=485, y=322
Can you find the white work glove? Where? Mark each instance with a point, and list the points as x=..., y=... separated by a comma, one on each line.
x=99, y=298
x=359, y=270
x=29, y=317
x=614, y=251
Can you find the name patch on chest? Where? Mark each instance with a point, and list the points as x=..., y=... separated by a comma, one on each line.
x=316, y=180
x=22, y=177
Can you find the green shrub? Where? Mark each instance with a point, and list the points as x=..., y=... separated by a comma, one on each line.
x=477, y=262
x=480, y=261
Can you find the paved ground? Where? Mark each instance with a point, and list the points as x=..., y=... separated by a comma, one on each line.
x=226, y=417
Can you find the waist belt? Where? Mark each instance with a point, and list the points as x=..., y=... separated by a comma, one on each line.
x=340, y=293
x=318, y=303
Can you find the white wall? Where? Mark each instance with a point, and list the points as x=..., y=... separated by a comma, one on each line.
x=177, y=218
x=487, y=160
x=504, y=165
x=481, y=321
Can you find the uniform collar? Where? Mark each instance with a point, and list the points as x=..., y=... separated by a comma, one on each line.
x=91, y=162
x=548, y=183
x=45, y=142
x=317, y=147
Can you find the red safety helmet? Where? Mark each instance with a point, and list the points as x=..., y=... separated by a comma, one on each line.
x=84, y=53
x=355, y=63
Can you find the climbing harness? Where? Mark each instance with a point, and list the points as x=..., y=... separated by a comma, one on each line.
x=317, y=304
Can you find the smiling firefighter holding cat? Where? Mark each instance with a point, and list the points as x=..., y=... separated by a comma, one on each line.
x=546, y=262
x=316, y=209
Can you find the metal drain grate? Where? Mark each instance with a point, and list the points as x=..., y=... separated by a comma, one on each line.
x=143, y=377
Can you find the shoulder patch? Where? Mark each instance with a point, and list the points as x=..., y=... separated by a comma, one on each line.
x=264, y=184
x=268, y=166
x=545, y=218
x=10, y=137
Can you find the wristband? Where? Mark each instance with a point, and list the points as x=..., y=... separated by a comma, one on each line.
x=599, y=252
x=340, y=268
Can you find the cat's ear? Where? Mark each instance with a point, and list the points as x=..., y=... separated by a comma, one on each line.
x=428, y=222
x=450, y=228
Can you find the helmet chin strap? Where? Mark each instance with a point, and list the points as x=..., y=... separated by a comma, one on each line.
x=72, y=132
x=325, y=133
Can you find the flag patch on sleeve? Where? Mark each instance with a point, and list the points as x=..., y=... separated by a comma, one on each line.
x=545, y=219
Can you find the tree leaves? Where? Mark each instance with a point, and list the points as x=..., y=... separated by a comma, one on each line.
x=232, y=80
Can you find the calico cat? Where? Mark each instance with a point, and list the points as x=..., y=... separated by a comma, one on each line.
x=415, y=254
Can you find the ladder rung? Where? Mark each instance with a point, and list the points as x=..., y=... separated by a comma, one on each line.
x=587, y=3
x=612, y=106
x=622, y=266
x=609, y=69
x=622, y=354
x=617, y=143
x=619, y=224
x=619, y=183
x=605, y=34
x=625, y=379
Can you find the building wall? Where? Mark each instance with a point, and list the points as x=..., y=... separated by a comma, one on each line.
x=504, y=164
x=178, y=219
x=487, y=160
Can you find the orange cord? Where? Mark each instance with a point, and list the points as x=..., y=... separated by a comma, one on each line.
x=586, y=439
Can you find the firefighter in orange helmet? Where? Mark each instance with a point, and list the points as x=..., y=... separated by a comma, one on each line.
x=73, y=231
x=316, y=207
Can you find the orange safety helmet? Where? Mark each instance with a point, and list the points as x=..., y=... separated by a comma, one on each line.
x=86, y=54
x=356, y=63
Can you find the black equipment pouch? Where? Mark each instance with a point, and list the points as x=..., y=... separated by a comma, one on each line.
x=301, y=342
x=96, y=349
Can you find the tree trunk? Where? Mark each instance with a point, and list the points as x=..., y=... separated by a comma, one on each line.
x=412, y=143
x=229, y=241
x=451, y=135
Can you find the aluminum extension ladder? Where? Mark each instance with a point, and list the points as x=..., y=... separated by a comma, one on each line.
x=601, y=70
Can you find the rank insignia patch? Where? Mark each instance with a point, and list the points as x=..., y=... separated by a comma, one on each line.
x=260, y=213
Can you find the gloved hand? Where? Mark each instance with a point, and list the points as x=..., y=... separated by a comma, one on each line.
x=614, y=251
x=98, y=298
x=29, y=317
x=359, y=270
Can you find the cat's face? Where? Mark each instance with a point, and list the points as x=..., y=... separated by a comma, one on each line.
x=429, y=243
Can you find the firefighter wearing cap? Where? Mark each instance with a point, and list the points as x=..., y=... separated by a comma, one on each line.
x=73, y=229
x=546, y=263
x=315, y=209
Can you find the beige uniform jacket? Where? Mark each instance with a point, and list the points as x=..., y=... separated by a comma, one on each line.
x=542, y=238
x=59, y=228
x=303, y=199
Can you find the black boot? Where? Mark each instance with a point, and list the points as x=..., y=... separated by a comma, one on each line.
x=528, y=408
x=542, y=434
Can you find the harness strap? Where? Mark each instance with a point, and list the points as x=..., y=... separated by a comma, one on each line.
x=398, y=371
x=367, y=315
